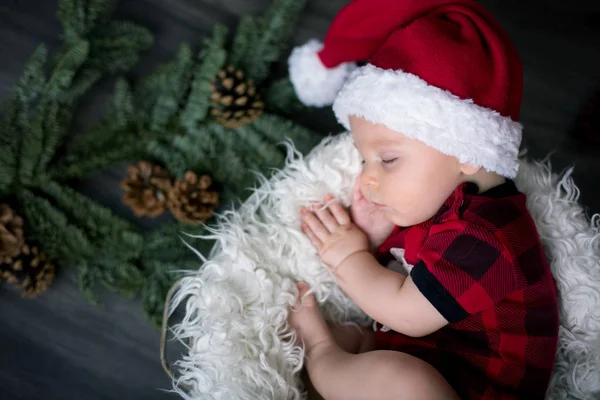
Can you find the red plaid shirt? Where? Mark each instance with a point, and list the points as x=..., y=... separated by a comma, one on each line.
x=479, y=261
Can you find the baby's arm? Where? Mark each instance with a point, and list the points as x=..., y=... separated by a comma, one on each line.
x=387, y=296
x=384, y=295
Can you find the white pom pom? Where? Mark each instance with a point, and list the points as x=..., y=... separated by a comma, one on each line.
x=315, y=84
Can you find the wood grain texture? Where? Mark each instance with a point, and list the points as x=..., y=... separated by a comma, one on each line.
x=59, y=346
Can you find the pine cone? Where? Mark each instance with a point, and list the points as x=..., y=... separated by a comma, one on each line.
x=192, y=200
x=146, y=189
x=31, y=270
x=234, y=100
x=11, y=232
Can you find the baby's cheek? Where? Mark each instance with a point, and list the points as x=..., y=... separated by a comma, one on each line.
x=414, y=207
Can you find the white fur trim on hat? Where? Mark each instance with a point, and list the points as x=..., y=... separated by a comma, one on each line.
x=406, y=103
x=315, y=84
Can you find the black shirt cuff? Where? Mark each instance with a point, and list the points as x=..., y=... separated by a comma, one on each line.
x=437, y=295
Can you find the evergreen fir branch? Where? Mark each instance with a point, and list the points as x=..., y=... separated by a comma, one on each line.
x=105, y=231
x=159, y=278
x=214, y=151
x=114, y=275
x=33, y=78
x=279, y=129
x=245, y=36
x=174, y=87
x=115, y=47
x=33, y=140
x=56, y=127
x=281, y=97
x=87, y=280
x=165, y=243
x=270, y=38
x=197, y=148
x=124, y=146
x=122, y=109
x=98, y=137
x=51, y=119
x=164, y=259
x=51, y=228
x=253, y=142
x=174, y=160
x=82, y=82
x=8, y=143
x=118, y=121
x=119, y=276
x=212, y=60
x=16, y=115
x=80, y=17
x=256, y=154
x=66, y=68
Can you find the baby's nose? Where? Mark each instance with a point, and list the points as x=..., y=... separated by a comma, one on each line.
x=368, y=182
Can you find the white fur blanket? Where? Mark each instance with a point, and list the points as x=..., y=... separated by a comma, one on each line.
x=240, y=346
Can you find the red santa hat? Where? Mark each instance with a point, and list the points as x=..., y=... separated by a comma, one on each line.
x=440, y=71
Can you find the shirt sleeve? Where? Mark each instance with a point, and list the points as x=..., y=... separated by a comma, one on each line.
x=463, y=270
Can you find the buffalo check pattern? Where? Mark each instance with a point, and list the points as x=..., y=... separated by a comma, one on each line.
x=479, y=261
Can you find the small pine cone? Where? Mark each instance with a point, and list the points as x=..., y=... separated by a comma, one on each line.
x=235, y=101
x=146, y=188
x=31, y=270
x=192, y=199
x=11, y=232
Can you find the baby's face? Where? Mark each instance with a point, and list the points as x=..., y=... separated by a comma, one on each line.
x=406, y=178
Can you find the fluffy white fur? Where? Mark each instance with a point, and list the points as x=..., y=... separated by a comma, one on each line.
x=315, y=84
x=408, y=104
x=237, y=304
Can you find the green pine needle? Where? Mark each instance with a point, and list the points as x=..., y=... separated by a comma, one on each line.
x=80, y=17
x=116, y=46
x=164, y=91
x=51, y=119
x=108, y=233
x=281, y=97
x=119, y=276
x=61, y=240
x=125, y=146
x=259, y=44
x=175, y=161
x=213, y=58
x=33, y=78
x=278, y=129
x=87, y=280
x=16, y=115
x=164, y=260
x=245, y=36
x=122, y=110
x=66, y=68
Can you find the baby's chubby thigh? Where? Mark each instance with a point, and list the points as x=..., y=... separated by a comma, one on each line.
x=381, y=375
x=353, y=339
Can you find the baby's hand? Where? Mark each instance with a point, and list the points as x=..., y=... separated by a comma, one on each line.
x=369, y=218
x=332, y=232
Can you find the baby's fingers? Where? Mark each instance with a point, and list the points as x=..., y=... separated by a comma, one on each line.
x=356, y=193
x=312, y=237
x=315, y=225
x=339, y=213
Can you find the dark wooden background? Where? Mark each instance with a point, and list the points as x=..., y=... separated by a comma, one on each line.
x=58, y=346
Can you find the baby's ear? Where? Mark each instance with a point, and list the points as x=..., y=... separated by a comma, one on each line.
x=469, y=169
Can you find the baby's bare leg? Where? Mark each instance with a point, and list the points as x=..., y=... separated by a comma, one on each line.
x=353, y=339
x=380, y=375
x=337, y=374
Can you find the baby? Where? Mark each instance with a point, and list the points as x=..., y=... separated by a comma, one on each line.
x=433, y=115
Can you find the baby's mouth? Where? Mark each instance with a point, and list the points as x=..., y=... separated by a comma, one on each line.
x=378, y=205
